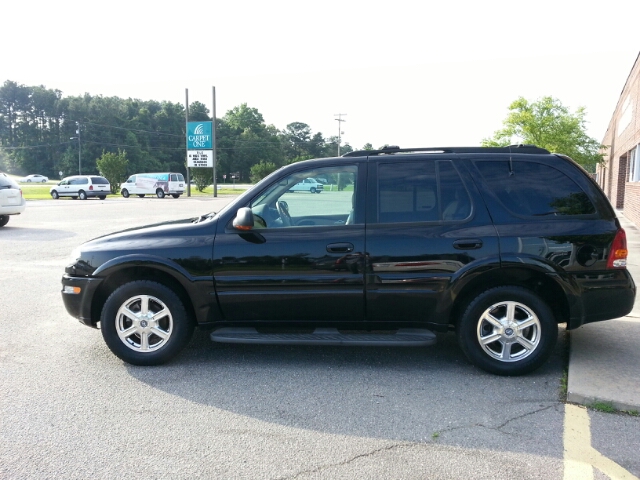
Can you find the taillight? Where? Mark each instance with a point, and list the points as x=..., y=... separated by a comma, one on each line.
x=618, y=252
x=90, y=187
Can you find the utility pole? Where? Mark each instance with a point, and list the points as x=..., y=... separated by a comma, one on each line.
x=340, y=132
x=79, y=148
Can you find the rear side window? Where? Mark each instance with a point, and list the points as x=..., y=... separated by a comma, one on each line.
x=534, y=189
x=421, y=192
x=6, y=182
x=99, y=181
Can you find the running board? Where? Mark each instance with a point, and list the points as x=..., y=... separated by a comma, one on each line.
x=404, y=337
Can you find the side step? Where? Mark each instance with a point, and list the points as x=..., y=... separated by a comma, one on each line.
x=404, y=337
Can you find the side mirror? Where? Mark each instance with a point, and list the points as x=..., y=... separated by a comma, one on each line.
x=244, y=219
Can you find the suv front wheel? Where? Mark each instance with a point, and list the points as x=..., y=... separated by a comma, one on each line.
x=507, y=331
x=145, y=323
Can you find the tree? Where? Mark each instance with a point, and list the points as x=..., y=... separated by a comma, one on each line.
x=548, y=124
x=261, y=170
x=113, y=166
x=203, y=176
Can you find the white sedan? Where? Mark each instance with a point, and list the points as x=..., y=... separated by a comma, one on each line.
x=35, y=178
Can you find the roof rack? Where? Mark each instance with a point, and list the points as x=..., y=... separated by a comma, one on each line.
x=531, y=149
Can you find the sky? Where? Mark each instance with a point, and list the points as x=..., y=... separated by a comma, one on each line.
x=407, y=73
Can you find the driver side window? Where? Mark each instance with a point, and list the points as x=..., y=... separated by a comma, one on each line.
x=307, y=198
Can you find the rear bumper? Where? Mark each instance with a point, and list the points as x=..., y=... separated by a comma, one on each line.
x=13, y=209
x=78, y=305
x=604, y=296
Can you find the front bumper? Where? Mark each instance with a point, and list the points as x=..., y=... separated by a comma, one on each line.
x=78, y=302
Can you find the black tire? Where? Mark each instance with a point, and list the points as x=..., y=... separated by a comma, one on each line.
x=540, y=333
x=4, y=219
x=102, y=197
x=160, y=193
x=175, y=195
x=313, y=190
x=125, y=193
x=82, y=195
x=175, y=325
x=54, y=195
x=141, y=195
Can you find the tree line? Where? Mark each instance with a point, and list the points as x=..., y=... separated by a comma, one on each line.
x=39, y=130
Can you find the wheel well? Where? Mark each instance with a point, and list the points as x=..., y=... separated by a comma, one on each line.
x=537, y=282
x=119, y=278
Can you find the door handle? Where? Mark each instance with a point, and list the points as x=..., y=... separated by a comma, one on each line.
x=467, y=244
x=340, y=247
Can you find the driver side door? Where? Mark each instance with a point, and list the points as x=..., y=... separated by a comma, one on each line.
x=304, y=260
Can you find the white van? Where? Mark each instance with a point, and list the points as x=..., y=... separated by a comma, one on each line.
x=159, y=184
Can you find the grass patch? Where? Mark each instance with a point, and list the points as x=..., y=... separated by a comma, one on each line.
x=605, y=407
x=36, y=192
x=41, y=192
x=435, y=435
x=564, y=381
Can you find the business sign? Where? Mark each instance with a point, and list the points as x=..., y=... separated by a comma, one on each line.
x=199, y=136
x=200, y=158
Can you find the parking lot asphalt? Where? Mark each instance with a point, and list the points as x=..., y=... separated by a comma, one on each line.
x=605, y=356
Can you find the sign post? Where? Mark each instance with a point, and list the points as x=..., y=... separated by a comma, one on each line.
x=199, y=145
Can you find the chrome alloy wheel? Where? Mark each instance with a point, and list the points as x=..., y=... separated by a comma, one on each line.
x=144, y=323
x=509, y=331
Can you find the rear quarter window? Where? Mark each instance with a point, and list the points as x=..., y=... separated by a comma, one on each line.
x=99, y=181
x=534, y=189
x=6, y=182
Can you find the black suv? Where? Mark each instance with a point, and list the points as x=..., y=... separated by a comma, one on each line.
x=498, y=244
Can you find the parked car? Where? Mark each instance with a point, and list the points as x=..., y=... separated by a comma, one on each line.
x=11, y=200
x=307, y=185
x=35, y=178
x=82, y=187
x=499, y=245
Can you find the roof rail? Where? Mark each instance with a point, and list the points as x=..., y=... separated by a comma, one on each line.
x=531, y=149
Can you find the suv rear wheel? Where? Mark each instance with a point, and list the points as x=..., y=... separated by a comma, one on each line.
x=507, y=331
x=82, y=195
x=145, y=323
x=4, y=219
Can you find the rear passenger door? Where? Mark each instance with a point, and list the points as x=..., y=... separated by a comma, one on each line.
x=426, y=227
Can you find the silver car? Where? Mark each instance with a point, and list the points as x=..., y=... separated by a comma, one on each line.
x=11, y=200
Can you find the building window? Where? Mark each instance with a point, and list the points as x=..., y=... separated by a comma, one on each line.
x=634, y=164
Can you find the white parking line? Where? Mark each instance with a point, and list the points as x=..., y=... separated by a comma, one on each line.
x=579, y=456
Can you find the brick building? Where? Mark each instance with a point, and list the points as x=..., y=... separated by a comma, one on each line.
x=619, y=175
